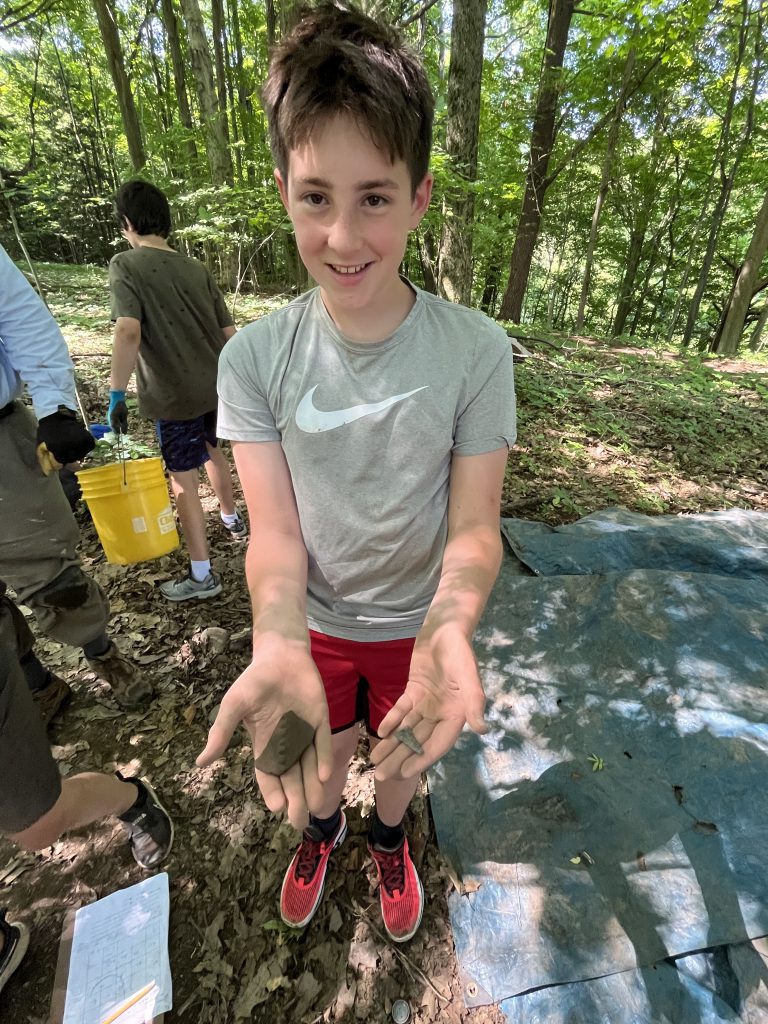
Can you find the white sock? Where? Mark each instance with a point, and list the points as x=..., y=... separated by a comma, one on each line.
x=200, y=570
x=229, y=520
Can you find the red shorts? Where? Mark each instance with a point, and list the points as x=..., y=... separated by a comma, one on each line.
x=362, y=680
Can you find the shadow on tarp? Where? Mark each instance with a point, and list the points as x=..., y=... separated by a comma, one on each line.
x=700, y=988
x=663, y=676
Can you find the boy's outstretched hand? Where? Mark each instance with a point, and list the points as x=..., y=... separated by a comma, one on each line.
x=281, y=678
x=443, y=693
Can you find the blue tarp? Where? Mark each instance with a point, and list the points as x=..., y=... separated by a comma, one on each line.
x=584, y=885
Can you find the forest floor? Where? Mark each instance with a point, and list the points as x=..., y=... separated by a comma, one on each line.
x=598, y=426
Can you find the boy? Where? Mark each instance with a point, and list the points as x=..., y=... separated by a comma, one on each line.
x=370, y=424
x=171, y=323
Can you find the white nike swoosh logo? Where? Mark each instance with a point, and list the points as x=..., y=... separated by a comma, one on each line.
x=312, y=420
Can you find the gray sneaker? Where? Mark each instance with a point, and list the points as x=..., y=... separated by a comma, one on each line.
x=188, y=589
x=148, y=824
x=238, y=530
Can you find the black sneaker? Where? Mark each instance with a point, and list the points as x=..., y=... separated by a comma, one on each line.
x=15, y=941
x=148, y=825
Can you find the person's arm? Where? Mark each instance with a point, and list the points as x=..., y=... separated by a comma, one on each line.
x=282, y=676
x=126, y=343
x=34, y=345
x=37, y=353
x=444, y=690
x=223, y=315
x=125, y=351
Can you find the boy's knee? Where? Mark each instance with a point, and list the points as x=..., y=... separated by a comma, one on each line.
x=185, y=482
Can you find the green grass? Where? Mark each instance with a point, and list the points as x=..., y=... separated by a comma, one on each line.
x=652, y=432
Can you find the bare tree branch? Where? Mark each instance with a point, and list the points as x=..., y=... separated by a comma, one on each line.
x=12, y=17
x=422, y=10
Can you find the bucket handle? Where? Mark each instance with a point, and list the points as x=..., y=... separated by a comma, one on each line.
x=121, y=456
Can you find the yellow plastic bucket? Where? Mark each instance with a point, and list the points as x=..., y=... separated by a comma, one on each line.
x=131, y=510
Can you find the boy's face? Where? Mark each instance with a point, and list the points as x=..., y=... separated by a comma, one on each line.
x=352, y=210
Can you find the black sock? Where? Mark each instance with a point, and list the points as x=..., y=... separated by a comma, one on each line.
x=36, y=674
x=98, y=647
x=327, y=826
x=388, y=837
x=138, y=803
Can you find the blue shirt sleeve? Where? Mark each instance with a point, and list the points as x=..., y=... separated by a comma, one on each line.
x=32, y=348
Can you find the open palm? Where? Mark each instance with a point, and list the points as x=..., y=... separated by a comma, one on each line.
x=442, y=695
x=281, y=677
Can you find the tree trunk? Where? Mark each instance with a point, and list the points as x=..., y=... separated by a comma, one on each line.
x=654, y=257
x=171, y=25
x=491, y=286
x=233, y=119
x=105, y=15
x=636, y=240
x=462, y=126
x=243, y=98
x=726, y=178
x=746, y=278
x=82, y=154
x=217, y=149
x=427, y=259
x=639, y=229
x=164, y=101
x=288, y=15
x=219, y=50
x=689, y=263
x=605, y=180
x=271, y=16
x=754, y=342
x=542, y=141
x=107, y=171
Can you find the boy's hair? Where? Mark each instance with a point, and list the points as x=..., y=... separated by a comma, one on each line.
x=145, y=206
x=338, y=61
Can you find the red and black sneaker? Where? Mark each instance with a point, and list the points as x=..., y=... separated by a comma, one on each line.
x=305, y=878
x=400, y=891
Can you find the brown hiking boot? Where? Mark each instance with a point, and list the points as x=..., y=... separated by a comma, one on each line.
x=52, y=698
x=128, y=687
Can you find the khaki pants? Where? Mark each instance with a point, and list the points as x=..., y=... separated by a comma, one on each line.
x=39, y=537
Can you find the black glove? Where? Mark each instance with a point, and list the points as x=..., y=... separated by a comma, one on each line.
x=64, y=436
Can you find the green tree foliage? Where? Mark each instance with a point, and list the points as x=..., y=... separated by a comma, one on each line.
x=660, y=124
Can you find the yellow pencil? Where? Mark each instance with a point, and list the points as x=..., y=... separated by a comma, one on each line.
x=131, y=1002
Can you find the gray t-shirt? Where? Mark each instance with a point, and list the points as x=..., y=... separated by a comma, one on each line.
x=368, y=432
